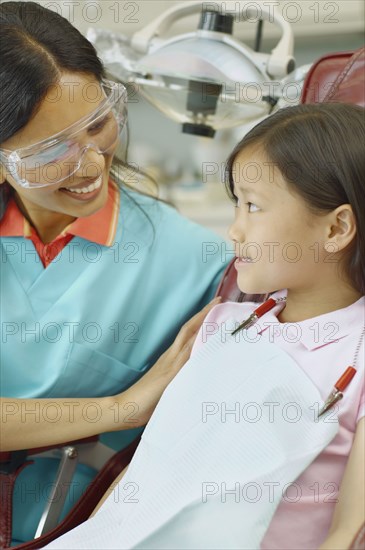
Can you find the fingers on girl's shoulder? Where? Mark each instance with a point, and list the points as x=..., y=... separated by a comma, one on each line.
x=211, y=305
x=216, y=301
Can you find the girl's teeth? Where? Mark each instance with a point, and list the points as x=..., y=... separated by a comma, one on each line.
x=88, y=189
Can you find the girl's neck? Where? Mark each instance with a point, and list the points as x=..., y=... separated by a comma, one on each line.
x=302, y=305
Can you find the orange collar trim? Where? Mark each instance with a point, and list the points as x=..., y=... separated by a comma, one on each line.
x=99, y=228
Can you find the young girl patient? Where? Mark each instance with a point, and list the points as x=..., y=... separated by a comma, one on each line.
x=297, y=180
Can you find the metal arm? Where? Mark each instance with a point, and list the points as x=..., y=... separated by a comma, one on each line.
x=281, y=57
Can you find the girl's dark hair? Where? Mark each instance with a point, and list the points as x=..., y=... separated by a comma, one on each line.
x=36, y=45
x=320, y=151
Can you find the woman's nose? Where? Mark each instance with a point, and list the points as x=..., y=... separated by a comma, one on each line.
x=92, y=163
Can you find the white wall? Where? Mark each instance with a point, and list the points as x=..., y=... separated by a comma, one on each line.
x=308, y=17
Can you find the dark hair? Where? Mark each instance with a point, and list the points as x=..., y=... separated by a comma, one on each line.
x=319, y=149
x=36, y=45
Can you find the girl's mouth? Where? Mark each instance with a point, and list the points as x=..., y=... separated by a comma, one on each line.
x=242, y=261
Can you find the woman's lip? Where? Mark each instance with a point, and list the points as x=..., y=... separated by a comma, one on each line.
x=84, y=183
x=83, y=196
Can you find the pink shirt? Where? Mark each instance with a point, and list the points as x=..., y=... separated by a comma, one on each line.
x=323, y=347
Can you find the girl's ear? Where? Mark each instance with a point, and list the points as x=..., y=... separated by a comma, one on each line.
x=342, y=228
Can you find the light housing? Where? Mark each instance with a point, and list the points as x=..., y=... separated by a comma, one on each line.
x=208, y=80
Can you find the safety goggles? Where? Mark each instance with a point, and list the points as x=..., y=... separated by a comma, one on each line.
x=58, y=157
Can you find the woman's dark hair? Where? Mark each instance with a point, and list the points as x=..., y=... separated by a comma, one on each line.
x=36, y=45
x=320, y=151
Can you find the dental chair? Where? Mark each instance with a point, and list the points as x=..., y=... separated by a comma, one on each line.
x=337, y=77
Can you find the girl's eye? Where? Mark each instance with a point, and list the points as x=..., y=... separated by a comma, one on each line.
x=251, y=206
x=254, y=207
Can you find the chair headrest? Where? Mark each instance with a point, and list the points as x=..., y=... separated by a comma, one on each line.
x=337, y=77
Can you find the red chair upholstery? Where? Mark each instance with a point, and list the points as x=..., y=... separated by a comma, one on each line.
x=336, y=77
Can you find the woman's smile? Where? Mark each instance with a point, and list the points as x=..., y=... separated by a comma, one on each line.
x=84, y=192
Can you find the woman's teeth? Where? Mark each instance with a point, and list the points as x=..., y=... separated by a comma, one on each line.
x=88, y=189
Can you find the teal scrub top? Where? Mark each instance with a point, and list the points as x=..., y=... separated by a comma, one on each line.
x=96, y=319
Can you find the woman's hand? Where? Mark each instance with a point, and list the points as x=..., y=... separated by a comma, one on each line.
x=129, y=409
x=145, y=394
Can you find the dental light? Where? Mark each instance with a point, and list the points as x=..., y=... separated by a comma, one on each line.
x=208, y=80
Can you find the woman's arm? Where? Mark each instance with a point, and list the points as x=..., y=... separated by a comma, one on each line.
x=30, y=423
x=350, y=508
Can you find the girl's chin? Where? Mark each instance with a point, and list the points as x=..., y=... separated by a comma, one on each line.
x=251, y=289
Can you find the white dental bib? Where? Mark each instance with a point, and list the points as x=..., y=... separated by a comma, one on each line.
x=233, y=429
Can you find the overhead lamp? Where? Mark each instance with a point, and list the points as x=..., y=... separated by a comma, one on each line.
x=207, y=79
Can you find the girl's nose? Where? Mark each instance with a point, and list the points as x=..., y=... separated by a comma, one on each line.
x=236, y=231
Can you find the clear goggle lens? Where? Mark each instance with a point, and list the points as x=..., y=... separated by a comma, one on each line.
x=58, y=159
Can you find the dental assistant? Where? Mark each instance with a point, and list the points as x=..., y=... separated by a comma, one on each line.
x=96, y=278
